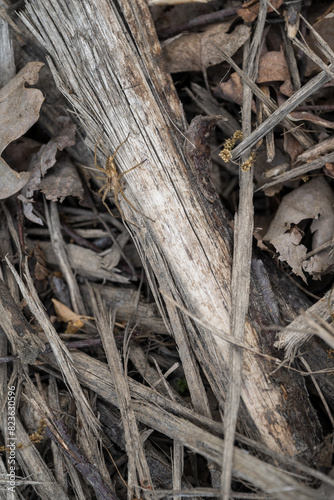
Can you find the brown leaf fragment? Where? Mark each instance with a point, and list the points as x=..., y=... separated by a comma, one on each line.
x=62, y=181
x=231, y=90
x=198, y=51
x=329, y=170
x=42, y=162
x=66, y=315
x=273, y=67
x=19, y=110
x=286, y=88
x=250, y=10
x=313, y=200
x=292, y=146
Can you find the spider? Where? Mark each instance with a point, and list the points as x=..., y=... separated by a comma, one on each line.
x=113, y=181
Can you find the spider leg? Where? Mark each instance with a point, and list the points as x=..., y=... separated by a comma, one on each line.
x=104, y=188
x=129, y=202
x=95, y=156
x=115, y=153
x=116, y=191
x=132, y=168
x=104, y=203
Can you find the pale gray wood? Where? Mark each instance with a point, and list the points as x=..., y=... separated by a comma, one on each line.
x=7, y=61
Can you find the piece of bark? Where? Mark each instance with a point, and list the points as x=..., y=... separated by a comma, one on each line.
x=198, y=134
x=140, y=99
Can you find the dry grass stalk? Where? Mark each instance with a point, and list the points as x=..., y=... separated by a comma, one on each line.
x=300, y=171
x=58, y=246
x=241, y=267
x=139, y=473
x=63, y=356
x=299, y=96
x=302, y=328
x=176, y=421
x=59, y=434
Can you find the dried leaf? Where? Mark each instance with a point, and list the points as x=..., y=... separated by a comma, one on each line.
x=11, y=181
x=250, y=10
x=62, y=181
x=273, y=67
x=198, y=51
x=329, y=170
x=164, y=18
x=323, y=231
x=292, y=146
x=19, y=153
x=231, y=90
x=66, y=315
x=286, y=88
x=19, y=110
x=42, y=162
x=313, y=200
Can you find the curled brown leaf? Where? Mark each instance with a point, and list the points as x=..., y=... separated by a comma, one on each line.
x=19, y=110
